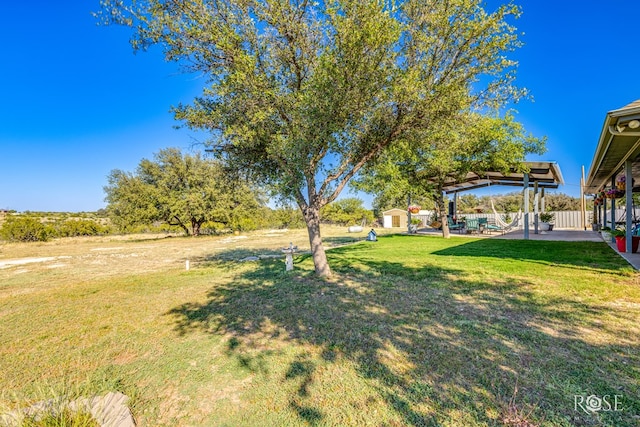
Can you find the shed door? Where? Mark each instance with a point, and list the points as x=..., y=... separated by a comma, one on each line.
x=395, y=221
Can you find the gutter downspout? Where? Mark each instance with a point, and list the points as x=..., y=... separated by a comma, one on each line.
x=614, y=131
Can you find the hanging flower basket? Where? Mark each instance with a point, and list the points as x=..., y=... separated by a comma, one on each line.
x=614, y=194
x=621, y=182
x=414, y=209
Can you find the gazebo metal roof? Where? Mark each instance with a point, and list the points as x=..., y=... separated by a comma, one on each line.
x=619, y=141
x=546, y=174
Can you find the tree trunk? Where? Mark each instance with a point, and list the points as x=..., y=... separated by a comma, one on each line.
x=195, y=225
x=312, y=218
x=445, y=226
x=443, y=217
x=180, y=224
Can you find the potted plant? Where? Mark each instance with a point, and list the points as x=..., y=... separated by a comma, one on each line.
x=621, y=240
x=415, y=222
x=605, y=232
x=545, y=219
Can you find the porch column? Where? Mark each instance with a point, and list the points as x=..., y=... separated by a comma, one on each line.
x=526, y=206
x=628, y=194
x=613, y=209
x=604, y=213
x=600, y=221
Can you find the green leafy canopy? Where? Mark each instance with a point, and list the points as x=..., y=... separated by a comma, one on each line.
x=182, y=190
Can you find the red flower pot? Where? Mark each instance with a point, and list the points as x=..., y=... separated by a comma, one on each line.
x=621, y=243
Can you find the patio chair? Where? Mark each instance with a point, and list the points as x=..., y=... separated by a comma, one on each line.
x=472, y=225
x=453, y=226
x=491, y=226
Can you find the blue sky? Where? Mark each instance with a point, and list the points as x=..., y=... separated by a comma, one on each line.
x=77, y=102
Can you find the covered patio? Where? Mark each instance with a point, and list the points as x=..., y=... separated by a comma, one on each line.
x=615, y=164
x=540, y=176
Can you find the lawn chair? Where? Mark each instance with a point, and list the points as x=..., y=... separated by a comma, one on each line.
x=453, y=226
x=472, y=225
x=491, y=226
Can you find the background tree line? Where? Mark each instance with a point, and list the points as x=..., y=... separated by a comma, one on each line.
x=44, y=226
x=175, y=192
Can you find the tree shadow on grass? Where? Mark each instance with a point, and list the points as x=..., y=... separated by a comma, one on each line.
x=581, y=255
x=436, y=345
x=343, y=240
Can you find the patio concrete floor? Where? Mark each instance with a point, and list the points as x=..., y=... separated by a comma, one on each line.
x=565, y=235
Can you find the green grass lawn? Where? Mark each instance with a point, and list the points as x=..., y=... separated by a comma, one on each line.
x=410, y=330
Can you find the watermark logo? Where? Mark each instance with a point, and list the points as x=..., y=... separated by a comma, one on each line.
x=591, y=404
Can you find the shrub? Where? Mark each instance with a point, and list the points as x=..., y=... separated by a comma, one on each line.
x=25, y=229
x=346, y=211
x=288, y=217
x=81, y=227
x=546, y=216
x=244, y=223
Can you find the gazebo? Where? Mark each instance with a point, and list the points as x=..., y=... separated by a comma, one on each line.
x=618, y=155
x=540, y=176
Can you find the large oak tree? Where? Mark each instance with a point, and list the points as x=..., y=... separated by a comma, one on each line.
x=302, y=94
x=186, y=191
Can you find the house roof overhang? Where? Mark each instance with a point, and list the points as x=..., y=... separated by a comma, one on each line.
x=545, y=174
x=618, y=143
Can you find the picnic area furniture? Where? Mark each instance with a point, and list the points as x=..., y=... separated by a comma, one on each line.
x=492, y=226
x=455, y=226
x=472, y=225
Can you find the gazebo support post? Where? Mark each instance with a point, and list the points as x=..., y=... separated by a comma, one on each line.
x=536, y=212
x=526, y=205
x=628, y=195
x=455, y=205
